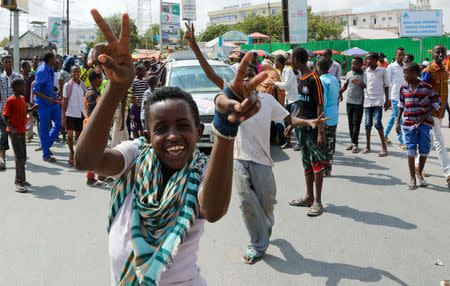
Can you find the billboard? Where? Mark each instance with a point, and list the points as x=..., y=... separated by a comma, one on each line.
x=21, y=5
x=55, y=30
x=295, y=21
x=170, y=24
x=189, y=11
x=418, y=24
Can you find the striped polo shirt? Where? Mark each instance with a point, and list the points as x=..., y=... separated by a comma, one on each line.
x=138, y=89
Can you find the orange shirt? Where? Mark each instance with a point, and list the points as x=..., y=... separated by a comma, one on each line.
x=16, y=110
x=385, y=64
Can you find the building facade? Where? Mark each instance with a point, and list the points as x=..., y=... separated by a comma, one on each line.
x=235, y=13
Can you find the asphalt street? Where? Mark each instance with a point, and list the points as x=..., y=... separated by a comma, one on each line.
x=374, y=231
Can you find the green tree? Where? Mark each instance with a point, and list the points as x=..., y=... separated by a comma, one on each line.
x=320, y=29
x=213, y=31
x=114, y=22
x=262, y=24
x=4, y=42
x=148, y=39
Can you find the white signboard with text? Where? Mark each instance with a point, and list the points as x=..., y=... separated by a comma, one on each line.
x=419, y=24
x=297, y=19
x=188, y=10
x=170, y=24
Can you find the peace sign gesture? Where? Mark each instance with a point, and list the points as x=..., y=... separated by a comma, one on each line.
x=114, y=56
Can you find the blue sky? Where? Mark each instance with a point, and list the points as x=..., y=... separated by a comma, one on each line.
x=80, y=15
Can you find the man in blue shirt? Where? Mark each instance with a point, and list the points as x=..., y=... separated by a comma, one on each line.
x=49, y=108
x=331, y=108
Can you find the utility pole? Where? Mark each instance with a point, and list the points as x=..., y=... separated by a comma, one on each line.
x=63, y=42
x=348, y=31
x=10, y=25
x=270, y=27
x=160, y=28
x=67, y=23
x=16, y=41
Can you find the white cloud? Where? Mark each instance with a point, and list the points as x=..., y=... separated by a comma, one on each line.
x=80, y=10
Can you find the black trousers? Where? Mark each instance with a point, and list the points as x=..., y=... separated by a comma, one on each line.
x=20, y=154
x=354, y=113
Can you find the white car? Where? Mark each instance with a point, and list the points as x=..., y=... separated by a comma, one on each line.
x=188, y=75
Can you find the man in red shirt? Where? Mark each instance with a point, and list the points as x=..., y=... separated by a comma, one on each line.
x=15, y=117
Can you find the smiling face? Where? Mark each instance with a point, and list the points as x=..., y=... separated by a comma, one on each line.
x=173, y=133
x=75, y=72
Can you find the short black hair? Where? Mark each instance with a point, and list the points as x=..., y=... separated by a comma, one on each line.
x=400, y=49
x=373, y=55
x=281, y=59
x=48, y=56
x=327, y=52
x=413, y=67
x=359, y=60
x=24, y=64
x=170, y=93
x=17, y=82
x=152, y=80
x=6, y=57
x=383, y=56
x=324, y=65
x=300, y=54
x=140, y=67
x=410, y=57
x=93, y=75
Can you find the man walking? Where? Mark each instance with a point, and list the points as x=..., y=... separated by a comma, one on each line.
x=6, y=90
x=335, y=69
x=49, y=108
x=396, y=79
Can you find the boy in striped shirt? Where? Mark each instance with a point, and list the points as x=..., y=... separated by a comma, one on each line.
x=140, y=85
x=416, y=103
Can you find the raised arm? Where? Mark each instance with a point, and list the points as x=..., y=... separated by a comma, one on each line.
x=210, y=73
x=115, y=59
x=232, y=107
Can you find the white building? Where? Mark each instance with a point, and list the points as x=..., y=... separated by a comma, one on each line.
x=235, y=13
x=385, y=17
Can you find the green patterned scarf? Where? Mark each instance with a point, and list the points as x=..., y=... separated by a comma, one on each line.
x=159, y=225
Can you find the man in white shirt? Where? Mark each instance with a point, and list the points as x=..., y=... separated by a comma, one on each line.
x=335, y=69
x=289, y=84
x=73, y=108
x=252, y=173
x=396, y=79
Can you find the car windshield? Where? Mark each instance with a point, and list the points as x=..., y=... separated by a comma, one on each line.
x=194, y=80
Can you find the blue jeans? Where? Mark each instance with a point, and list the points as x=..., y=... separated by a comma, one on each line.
x=257, y=191
x=47, y=114
x=418, y=137
x=393, y=121
x=373, y=117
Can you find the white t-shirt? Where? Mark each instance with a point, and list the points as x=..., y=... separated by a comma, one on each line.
x=252, y=142
x=396, y=79
x=289, y=84
x=75, y=106
x=184, y=270
x=376, y=81
x=335, y=70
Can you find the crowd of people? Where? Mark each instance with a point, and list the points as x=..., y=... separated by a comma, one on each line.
x=164, y=186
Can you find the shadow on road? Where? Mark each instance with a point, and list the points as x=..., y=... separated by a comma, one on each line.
x=277, y=154
x=373, y=179
x=42, y=168
x=372, y=218
x=296, y=264
x=50, y=193
x=357, y=162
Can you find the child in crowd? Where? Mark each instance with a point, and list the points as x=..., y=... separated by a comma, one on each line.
x=15, y=118
x=377, y=93
x=152, y=84
x=416, y=103
x=73, y=108
x=331, y=107
x=139, y=86
x=312, y=141
x=409, y=58
x=354, y=85
x=91, y=98
x=165, y=191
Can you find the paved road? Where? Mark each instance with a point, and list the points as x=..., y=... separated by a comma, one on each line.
x=374, y=231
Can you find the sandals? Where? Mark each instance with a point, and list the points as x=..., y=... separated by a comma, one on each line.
x=299, y=203
x=21, y=189
x=251, y=256
x=355, y=150
x=315, y=210
x=350, y=147
x=383, y=154
x=98, y=184
x=389, y=142
x=296, y=147
x=50, y=159
x=411, y=187
x=286, y=146
x=70, y=162
x=424, y=174
x=366, y=151
x=2, y=166
x=422, y=183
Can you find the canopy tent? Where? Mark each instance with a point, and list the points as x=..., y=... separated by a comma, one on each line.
x=354, y=52
x=258, y=36
x=261, y=53
x=322, y=51
x=279, y=52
